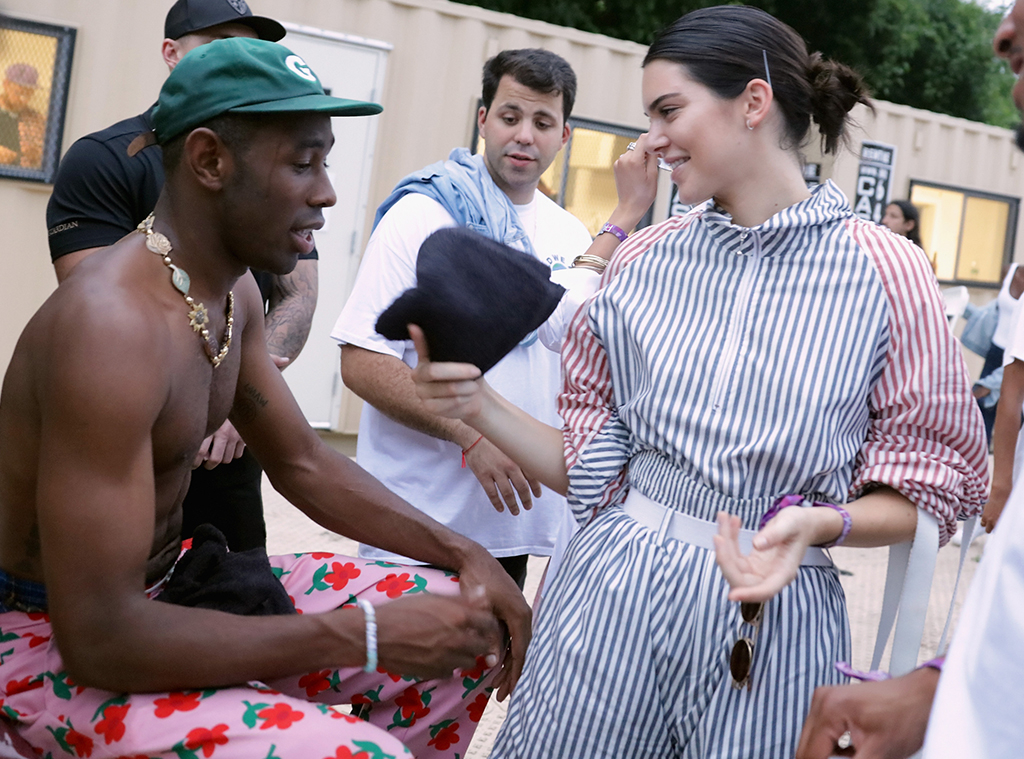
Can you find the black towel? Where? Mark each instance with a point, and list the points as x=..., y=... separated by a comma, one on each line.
x=475, y=298
x=209, y=576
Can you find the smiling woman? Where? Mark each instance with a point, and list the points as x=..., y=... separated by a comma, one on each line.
x=711, y=378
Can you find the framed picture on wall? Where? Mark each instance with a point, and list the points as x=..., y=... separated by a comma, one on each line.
x=35, y=67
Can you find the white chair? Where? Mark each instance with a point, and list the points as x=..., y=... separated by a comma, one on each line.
x=908, y=586
x=956, y=300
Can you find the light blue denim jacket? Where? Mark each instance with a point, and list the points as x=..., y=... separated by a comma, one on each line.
x=463, y=185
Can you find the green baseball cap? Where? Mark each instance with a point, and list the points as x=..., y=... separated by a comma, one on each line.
x=242, y=75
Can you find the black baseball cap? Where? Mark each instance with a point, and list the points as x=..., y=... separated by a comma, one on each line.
x=187, y=16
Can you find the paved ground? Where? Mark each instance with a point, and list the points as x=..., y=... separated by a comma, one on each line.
x=863, y=580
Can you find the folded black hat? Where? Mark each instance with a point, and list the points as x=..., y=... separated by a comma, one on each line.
x=209, y=576
x=475, y=299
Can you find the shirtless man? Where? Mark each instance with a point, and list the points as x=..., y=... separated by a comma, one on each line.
x=107, y=398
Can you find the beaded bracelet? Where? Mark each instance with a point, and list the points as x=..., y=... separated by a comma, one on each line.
x=799, y=500
x=371, y=634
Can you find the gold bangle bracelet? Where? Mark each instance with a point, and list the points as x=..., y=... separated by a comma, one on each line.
x=591, y=262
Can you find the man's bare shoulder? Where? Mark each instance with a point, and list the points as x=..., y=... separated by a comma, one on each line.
x=112, y=308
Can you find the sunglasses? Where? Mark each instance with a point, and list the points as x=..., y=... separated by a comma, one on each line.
x=742, y=657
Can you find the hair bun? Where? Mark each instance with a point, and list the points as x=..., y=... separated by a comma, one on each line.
x=836, y=89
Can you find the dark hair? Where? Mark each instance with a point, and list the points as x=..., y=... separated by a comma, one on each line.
x=234, y=129
x=540, y=70
x=910, y=213
x=725, y=46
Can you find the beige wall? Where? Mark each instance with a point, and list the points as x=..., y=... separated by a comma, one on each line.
x=432, y=84
x=936, y=148
x=433, y=81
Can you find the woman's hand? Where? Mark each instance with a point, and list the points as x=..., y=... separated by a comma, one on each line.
x=636, y=183
x=778, y=550
x=447, y=389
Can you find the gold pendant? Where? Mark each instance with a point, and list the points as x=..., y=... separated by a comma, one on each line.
x=198, y=318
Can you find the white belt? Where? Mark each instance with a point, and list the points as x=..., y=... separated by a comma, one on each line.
x=669, y=523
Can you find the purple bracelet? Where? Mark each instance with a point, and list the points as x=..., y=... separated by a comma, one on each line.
x=612, y=229
x=799, y=500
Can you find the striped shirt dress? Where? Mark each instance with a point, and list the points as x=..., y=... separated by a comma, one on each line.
x=718, y=368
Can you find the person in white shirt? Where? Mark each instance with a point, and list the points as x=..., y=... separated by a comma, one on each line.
x=442, y=466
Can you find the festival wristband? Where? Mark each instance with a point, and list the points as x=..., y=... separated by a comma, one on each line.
x=798, y=500
x=371, y=634
x=614, y=230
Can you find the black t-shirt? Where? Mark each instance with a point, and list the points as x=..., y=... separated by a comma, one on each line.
x=101, y=193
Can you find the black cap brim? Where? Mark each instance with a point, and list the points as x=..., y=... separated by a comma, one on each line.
x=265, y=28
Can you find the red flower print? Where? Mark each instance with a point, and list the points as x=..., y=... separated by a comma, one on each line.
x=359, y=699
x=22, y=685
x=36, y=640
x=176, y=702
x=82, y=744
x=344, y=752
x=315, y=682
x=39, y=616
x=320, y=556
x=411, y=704
x=340, y=574
x=394, y=678
x=476, y=709
x=207, y=740
x=478, y=671
x=111, y=727
x=279, y=715
x=395, y=585
x=446, y=737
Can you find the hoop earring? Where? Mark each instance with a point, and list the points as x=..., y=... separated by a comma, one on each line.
x=749, y=126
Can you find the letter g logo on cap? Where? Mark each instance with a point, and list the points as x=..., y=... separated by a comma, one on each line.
x=299, y=67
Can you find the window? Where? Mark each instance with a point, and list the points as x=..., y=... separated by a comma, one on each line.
x=968, y=235
x=581, y=178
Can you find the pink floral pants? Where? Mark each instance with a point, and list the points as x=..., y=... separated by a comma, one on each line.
x=290, y=718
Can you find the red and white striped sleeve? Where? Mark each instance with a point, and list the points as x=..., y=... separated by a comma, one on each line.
x=926, y=438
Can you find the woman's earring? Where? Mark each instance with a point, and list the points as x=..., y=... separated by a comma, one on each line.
x=749, y=126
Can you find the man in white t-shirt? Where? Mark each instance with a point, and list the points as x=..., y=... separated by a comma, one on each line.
x=442, y=466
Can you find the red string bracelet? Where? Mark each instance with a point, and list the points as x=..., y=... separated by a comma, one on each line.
x=467, y=450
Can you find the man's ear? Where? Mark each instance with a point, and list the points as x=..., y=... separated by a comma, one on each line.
x=757, y=99
x=566, y=131
x=481, y=117
x=207, y=158
x=171, y=52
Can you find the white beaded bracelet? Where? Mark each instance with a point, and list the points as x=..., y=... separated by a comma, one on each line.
x=371, y=634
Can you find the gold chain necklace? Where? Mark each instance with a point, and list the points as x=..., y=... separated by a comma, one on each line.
x=198, y=317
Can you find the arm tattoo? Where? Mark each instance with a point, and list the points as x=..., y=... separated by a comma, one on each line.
x=248, y=406
x=290, y=314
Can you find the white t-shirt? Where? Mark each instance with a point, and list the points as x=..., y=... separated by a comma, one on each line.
x=1008, y=307
x=422, y=469
x=1014, y=351
x=976, y=712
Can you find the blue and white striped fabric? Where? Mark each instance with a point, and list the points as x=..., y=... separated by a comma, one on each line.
x=719, y=368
